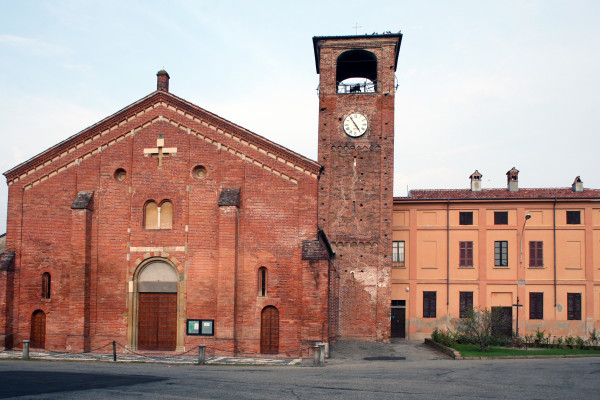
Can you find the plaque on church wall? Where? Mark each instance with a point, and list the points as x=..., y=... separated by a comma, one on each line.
x=203, y=327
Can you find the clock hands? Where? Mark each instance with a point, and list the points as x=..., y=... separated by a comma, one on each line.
x=352, y=119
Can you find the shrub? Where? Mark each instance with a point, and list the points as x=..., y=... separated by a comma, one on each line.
x=539, y=337
x=517, y=342
x=580, y=342
x=447, y=338
x=529, y=340
x=501, y=340
x=570, y=341
x=594, y=337
x=477, y=326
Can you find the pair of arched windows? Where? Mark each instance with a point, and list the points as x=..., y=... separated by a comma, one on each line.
x=158, y=216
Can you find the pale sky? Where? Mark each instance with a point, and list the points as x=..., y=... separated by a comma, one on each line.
x=485, y=85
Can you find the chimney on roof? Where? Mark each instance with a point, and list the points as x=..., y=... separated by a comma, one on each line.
x=577, y=185
x=162, y=80
x=475, y=181
x=513, y=180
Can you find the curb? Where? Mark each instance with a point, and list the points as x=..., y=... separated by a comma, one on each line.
x=532, y=357
x=444, y=349
x=457, y=356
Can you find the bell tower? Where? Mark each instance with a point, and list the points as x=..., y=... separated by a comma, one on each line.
x=356, y=150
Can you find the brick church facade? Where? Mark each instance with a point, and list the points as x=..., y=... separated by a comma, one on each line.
x=165, y=226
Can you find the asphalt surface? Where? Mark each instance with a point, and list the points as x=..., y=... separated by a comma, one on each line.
x=406, y=370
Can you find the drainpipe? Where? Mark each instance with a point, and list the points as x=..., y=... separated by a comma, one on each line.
x=527, y=216
x=448, y=254
x=554, y=231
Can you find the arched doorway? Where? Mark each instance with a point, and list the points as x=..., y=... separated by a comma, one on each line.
x=38, y=329
x=269, y=330
x=157, y=307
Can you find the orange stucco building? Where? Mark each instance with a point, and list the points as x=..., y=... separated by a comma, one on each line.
x=495, y=248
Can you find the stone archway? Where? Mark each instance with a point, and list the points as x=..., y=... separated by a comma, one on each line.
x=155, y=306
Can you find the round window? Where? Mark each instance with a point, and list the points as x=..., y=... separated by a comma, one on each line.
x=120, y=175
x=199, y=172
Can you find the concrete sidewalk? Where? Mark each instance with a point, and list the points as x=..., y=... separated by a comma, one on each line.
x=191, y=358
x=398, y=350
x=344, y=352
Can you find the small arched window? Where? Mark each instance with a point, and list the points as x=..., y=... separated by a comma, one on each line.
x=262, y=281
x=151, y=215
x=166, y=215
x=46, y=280
x=158, y=217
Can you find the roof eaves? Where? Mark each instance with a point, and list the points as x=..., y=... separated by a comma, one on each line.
x=84, y=134
x=317, y=39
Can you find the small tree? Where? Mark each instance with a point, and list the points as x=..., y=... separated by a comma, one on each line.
x=478, y=327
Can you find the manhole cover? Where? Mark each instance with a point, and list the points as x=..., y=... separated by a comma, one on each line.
x=384, y=358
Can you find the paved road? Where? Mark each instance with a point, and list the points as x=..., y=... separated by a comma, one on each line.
x=423, y=374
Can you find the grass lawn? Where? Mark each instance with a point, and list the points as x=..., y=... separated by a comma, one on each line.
x=471, y=350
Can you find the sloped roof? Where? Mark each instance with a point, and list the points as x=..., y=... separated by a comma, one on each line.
x=499, y=194
x=183, y=107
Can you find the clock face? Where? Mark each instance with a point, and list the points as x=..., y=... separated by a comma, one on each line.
x=355, y=125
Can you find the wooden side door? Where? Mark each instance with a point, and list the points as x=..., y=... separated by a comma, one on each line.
x=269, y=330
x=38, y=329
x=157, y=321
x=398, y=322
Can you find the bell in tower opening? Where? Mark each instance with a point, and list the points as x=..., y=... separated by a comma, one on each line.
x=356, y=72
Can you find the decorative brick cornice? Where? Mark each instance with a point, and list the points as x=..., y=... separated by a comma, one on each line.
x=139, y=108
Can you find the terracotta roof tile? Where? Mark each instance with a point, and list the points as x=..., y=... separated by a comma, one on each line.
x=500, y=194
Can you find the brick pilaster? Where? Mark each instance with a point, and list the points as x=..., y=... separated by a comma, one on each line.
x=226, y=279
x=81, y=224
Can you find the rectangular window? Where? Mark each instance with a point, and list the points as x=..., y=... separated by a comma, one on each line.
x=398, y=251
x=536, y=305
x=574, y=306
x=573, y=217
x=500, y=217
x=466, y=218
x=536, y=254
x=465, y=254
x=501, y=253
x=466, y=303
x=429, y=303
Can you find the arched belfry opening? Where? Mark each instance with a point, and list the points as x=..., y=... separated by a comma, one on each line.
x=154, y=316
x=356, y=72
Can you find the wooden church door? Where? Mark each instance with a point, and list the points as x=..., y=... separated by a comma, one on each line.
x=157, y=321
x=38, y=329
x=157, y=307
x=269, y=330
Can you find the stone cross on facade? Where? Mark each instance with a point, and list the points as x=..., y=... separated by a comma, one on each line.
x=160, y=151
